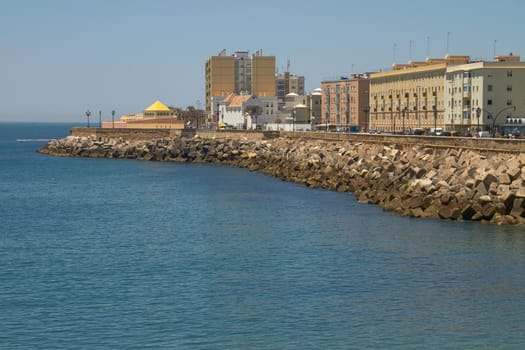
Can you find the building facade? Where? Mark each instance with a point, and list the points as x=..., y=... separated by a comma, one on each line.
x=344, y=103
x=286, y=83
x=156, y=116
x=246, y=112
x=485, y=96
x=240, y=73
x=411, y=96
x=316, y=100
x=295, y=109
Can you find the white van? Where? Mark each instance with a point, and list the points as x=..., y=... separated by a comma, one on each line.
x=482, y=134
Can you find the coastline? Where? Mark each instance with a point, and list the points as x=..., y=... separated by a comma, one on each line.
x=416, y=180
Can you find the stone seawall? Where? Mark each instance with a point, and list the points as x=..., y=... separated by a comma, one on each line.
x=414, y=180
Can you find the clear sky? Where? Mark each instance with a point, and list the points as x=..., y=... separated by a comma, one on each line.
x=59, y=58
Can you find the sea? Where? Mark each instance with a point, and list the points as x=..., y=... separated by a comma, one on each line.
x=127, y=254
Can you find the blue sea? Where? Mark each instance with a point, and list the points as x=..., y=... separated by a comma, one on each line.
x=125, y=254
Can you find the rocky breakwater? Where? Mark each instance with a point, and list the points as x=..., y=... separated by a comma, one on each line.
x=420, y=181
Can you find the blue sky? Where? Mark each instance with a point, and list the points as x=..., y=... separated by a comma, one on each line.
x=59, y=58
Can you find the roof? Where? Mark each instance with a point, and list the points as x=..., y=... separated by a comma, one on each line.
x=157, y=106
x=236, y=101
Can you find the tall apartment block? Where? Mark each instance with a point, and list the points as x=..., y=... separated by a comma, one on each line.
x=240, y=73
x=344, y=103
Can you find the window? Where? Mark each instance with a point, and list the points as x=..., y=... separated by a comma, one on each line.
x=509, y=102
x=509, y=87
x=489, y=102
x=509, y=73
x=489, y=87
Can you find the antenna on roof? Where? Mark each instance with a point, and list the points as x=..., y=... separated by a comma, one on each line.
x=495, y=41
x=394, y=53
x=288, y=66
x=448, y=42
x=428, y=46
x=410, y=50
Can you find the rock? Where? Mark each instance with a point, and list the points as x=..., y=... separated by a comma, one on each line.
x=453, y=183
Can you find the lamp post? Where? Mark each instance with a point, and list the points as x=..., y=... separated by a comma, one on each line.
x=478, y=114
x=88, y=113
x=293, y=119
x=113, y=118
x=403, y=114
x=434, y=108
x=100, y=119
x=394, y=117
x=493, y=127
x=366, y=110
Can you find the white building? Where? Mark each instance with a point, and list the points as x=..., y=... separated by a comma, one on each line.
x=484, y=95
x=247, y=112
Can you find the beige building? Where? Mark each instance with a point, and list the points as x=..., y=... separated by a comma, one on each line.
x=286, y=83
x=411, y=96
x=240, y=73
x=157, y=110
x=156, y=116
x=158, y=123
x=344, y=103
x=295, y=109
x=484, y=95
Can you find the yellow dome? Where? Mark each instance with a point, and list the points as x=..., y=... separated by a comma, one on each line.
x=157, y=106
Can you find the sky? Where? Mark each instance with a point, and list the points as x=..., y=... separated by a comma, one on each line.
x=60, y=58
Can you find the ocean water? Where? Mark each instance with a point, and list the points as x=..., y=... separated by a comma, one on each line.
x=124, y=254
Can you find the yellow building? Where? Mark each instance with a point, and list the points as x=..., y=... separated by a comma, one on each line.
x=158, y=123
x=157, y=110
x=156, y=116
x=411, y=96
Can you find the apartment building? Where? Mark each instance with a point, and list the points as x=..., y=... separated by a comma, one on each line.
x=241, y=73
x=344, y=103
x=485, y=95
x=411, y=96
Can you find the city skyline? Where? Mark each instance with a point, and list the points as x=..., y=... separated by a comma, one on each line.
x=61, y=58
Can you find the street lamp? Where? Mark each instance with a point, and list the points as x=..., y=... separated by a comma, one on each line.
x=394, y=117
x=293, y=119
x=478, y=114
x=366, y=110
x=403, y=113
x=493, y=128
x=88, y=113
x=434, y=108
x=113, y=118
